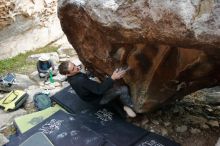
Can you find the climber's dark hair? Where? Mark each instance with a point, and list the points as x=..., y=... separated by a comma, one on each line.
x=63, y=68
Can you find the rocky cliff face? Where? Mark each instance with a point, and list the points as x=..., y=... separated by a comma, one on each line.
x=172, y=47
x=27, y=25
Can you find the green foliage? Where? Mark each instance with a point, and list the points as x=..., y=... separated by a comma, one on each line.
x=19, y=63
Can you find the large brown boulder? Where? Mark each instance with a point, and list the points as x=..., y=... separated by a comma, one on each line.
x=172, y=47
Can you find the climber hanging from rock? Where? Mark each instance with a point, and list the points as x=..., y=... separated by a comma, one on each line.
x=98, y=93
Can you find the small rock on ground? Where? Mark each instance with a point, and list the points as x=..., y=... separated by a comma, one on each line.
x=8, y=117
x=181, y=129
x=3, y=140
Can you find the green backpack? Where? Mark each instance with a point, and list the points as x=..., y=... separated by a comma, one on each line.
x=42, y=101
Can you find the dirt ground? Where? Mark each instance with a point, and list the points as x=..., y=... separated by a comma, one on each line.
x=190, y=122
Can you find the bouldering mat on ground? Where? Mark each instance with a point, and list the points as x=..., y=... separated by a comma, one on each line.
x=155, y=140
x=102, y=120
x=111, y=126
x=76, y=130
x=69, y=100
x=105, y=122
x=89, y=126
x=63, y=129
x=26, y=122
x=37, y=139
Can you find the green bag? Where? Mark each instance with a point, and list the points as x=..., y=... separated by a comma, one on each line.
x=42, y=101
x=13, y=100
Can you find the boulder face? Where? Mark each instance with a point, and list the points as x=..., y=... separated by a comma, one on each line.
x=172, y=47
x=27, y=25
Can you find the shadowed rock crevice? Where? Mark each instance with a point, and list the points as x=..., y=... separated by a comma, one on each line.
x=167, y=55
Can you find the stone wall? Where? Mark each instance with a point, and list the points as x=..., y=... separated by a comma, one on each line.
x=27, y=25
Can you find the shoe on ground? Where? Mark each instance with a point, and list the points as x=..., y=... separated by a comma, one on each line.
x=129, y=111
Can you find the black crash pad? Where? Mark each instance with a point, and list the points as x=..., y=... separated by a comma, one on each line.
x=80, y=129
x=63, y=129
x=106, y=122
x=103, y=123
x=69, y=100
x=100, y=119
x=111, y=126
x=153, y=139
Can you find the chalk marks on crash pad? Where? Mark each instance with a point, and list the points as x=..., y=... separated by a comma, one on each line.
x=51, y=126
x=91, y=140
x=74, y=135
x=71, y=118
x=62, y=135
x=104, y=115
x=150, y=143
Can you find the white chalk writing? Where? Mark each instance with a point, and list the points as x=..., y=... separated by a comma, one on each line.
x=71, y=118
x=104, y=115
x=150, y=143
x=74, y=132
x=62, y=135
x=86, y=128
x=74, y=135
x=51, y=126
x=91, y=140
x=71, y=91
x=84, y=111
